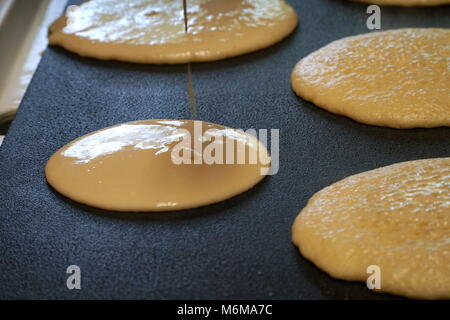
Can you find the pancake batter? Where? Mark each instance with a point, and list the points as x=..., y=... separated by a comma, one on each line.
x=139, y=166
x=153, y=31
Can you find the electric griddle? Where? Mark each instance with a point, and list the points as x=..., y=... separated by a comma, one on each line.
x=237, y=249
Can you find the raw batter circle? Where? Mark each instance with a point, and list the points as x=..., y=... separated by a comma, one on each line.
x=131, y=167
x=397, y=78
x=396, y=217
x=152, y=31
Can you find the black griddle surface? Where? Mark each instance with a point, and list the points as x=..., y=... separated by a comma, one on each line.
x=237, y=249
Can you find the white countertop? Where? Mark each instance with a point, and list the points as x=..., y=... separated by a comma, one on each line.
x=23, y=38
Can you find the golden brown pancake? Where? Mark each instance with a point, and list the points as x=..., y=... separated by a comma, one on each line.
x=396, y=78
x=396, y=217
x=407, y=3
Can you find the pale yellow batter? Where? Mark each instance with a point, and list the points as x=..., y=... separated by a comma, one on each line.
x=153, y=31
x=131, y=167
x=397, y=78
x=407, y=3
x=395, y=217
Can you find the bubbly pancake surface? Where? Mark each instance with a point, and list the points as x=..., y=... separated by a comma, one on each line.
x=407, y=3
x=153, y=31
x=137, y=166
x=396, y=217
x=398, y=78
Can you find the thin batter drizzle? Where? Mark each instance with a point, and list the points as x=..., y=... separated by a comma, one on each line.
x=191, y=92
x=185, y=16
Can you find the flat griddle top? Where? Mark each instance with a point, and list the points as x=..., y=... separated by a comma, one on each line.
x=237, y=249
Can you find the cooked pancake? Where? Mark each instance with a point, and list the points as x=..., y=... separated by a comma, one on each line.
x=396, y=217
x=397, y=78
x=407, y=3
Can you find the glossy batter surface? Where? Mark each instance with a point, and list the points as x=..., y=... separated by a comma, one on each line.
x=398, y=78
x=130, y=167
x=407, y=3
x=152, y=31
x=395, y=217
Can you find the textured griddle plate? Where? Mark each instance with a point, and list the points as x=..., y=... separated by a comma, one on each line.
x=236, y=249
